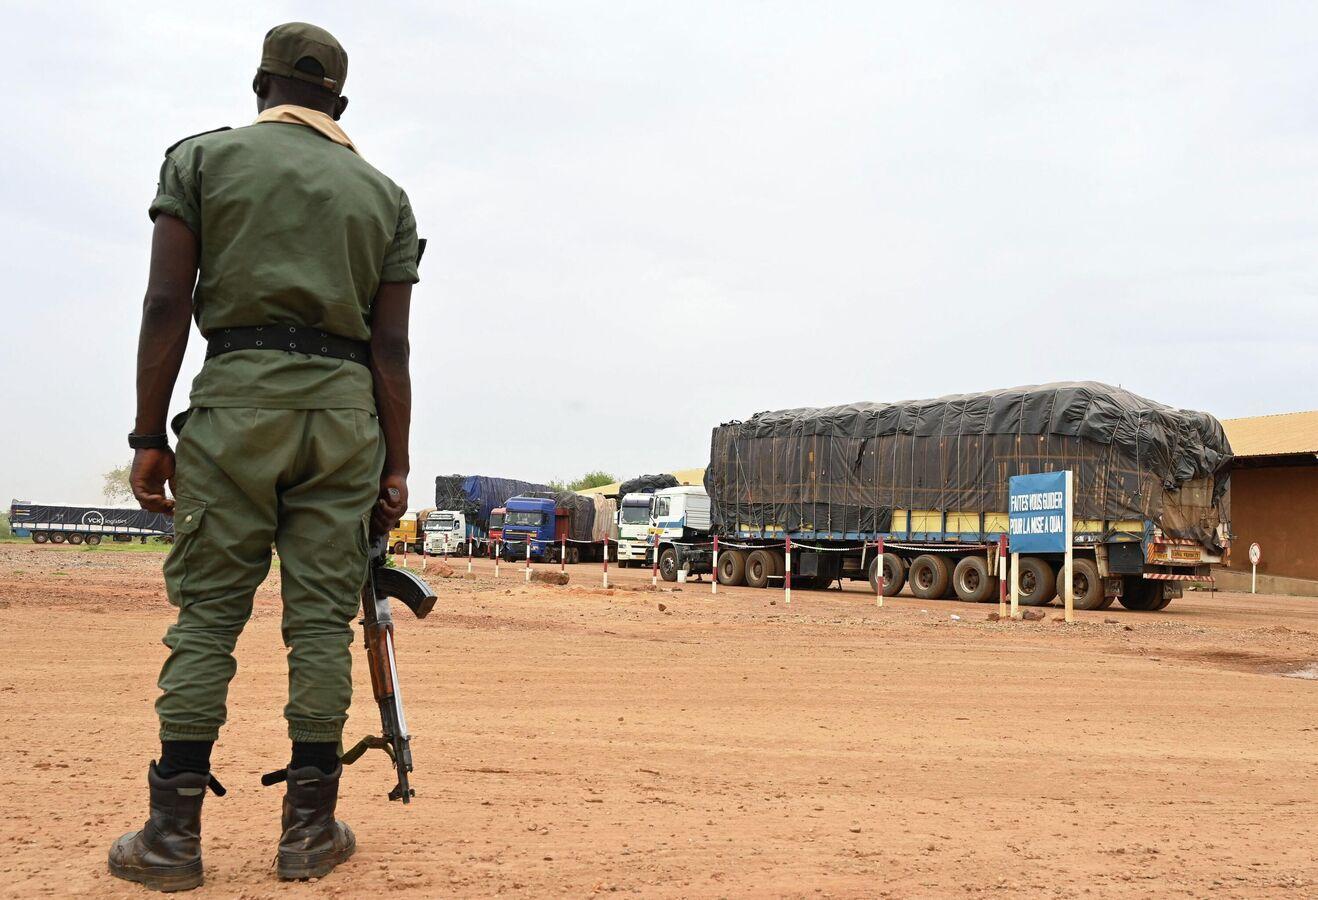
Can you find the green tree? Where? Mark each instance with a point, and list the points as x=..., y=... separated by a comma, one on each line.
x=6, y=530
x=598, y=478
x=116, y=486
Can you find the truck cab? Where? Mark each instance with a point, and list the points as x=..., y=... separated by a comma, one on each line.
x=680, y=516
x=534, y=519
x=634, y=529
x=404, y=536
x=445, y=533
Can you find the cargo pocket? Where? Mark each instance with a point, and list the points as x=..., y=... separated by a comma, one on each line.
x=188, y=515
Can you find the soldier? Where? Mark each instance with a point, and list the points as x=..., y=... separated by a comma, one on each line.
x=303, y=258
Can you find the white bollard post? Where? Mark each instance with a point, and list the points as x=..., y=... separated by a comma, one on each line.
x=1002, y=576
x=654, y=574
x=606, y=563
x=562, y=555
x=787, y=581
x=498, y=553
x=468, y=556
x=528, y=560
x=878, y=562
x=1068, y=575
x=713, y=584
x=1015, y=585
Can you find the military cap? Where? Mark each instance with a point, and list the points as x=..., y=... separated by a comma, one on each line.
x=285, y=45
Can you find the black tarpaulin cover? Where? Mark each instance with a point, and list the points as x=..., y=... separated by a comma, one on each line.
x=93, y=518
x=477, y=495
x=844, y=469
x=646, y=484
x=581, y=514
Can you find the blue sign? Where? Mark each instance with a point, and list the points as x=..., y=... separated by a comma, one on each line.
x=1037, y=513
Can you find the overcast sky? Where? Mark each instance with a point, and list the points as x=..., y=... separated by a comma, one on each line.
x=646, y=219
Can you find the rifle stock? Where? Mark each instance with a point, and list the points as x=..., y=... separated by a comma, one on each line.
x=382, y=583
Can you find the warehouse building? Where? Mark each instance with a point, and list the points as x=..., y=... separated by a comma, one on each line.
x=1274, y=502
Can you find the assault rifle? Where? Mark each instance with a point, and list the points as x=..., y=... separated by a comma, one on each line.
x=384, y=582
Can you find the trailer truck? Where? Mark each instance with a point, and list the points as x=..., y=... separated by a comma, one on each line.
x=44, y=523
x=471, y=509
x=930, y=477
x=559, y=526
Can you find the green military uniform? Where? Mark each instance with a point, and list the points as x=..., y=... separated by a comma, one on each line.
x=281, y=447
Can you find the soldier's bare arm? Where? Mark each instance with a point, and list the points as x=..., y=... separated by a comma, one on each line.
x=390, y=352
x=166, y=320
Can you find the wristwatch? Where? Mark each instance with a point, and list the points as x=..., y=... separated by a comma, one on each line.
x=148, y=441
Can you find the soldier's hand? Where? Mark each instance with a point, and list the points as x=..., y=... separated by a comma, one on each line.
x=391, y=505
x=152, y=470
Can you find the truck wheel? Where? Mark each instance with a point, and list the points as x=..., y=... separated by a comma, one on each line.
x=1164, y=602
x=731, y=567
x=759, y=568
x=573, y=555
x=1036, y=583
x=779, y=562
x=1140, y=595
x=668, y=564
x=894, y=574
x=929, y=576
x=58, y=537
x=76, y=538
x=1086, y=584
x=972, y=580
x=396, y=548
x=40, y=537
x=93, y=539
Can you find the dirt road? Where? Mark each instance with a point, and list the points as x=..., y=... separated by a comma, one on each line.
x=572, y=741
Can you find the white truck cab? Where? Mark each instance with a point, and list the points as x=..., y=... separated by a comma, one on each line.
x=680, y=517
x=446, y=533
x=634, y=529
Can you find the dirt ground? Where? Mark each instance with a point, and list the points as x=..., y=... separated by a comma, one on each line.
x=572, y=741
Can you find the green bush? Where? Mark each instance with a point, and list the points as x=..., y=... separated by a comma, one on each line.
x=6, y=532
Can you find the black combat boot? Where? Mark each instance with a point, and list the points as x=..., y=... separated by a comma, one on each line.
x=166, y=854
x=314, y=842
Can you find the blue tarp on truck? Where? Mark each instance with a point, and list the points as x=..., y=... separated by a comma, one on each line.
x=478, y=495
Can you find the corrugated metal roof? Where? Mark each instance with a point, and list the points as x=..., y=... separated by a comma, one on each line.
x=1273, y=435
x=683, y=476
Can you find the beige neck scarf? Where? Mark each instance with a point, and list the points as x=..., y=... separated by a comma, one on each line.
x=314, y=119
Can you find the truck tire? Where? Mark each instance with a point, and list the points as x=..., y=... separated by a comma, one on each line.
x=58, y=537
x=668, y=564
x=76, y=538
x=972, y=580
x=929, y=576
x=1140, y=595
x=1087, y=584
x=573, y=555
x=894, y=574
x=779, y=562
x=732, y=567
x=40, y=537
x=759, y=568
x=397, y=548
x=1163, y=602
x=1036, y=582
x=93, y=539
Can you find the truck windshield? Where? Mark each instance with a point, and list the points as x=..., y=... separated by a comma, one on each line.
x=635, y=515
x=529, y=517
x=496, y=520
x=445, y=524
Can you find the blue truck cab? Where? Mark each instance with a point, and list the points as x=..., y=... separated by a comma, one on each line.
x=535, y=519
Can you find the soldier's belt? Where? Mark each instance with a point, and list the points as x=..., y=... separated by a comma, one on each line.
x=289, y=338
